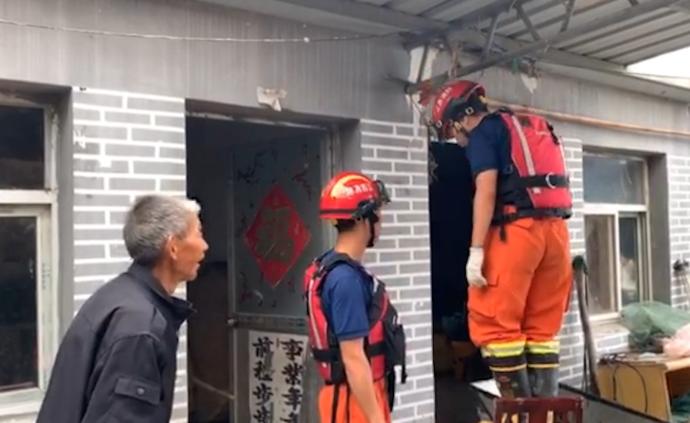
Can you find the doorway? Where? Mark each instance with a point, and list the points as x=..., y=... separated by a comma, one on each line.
x=258, y=183
x=457, y=363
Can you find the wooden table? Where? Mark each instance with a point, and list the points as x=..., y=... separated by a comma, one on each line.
x=645, y=383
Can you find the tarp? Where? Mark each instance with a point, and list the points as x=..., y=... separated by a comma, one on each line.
x=649, y=322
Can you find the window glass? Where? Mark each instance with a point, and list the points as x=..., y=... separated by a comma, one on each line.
x=613, y=180
x=629, y=256
x=22, y=155
x=18, y=317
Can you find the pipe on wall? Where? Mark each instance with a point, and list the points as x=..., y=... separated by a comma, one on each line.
x=584, y=120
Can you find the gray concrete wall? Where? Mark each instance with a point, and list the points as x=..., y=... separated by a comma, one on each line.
x=344, y=79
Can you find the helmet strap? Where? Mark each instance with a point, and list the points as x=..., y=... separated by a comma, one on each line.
x=373, y=219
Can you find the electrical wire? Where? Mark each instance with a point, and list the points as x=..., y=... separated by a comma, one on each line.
x=293, y=40
x=618, y=363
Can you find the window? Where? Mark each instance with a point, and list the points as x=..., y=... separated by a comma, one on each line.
x=616, y=231
x=28, y=309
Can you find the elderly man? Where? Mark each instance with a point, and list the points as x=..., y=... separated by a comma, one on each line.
x=117, y=362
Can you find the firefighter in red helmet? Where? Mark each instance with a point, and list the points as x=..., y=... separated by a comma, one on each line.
x=351, y=321
x=519, y=270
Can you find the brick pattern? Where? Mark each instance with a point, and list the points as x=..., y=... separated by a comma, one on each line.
x=571, y=334
x=393, y=153
x=125, y=145
x=571, y=337
x=679, y=220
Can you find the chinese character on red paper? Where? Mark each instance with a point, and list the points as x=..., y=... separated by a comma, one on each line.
x=277, y=236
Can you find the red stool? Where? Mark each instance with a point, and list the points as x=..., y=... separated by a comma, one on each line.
x=539, y=410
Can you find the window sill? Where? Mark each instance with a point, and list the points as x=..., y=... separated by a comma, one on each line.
x=608, y=327
x=21, y=405
x=610, y=336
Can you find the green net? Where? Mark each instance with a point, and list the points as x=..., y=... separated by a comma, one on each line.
x=651, y=321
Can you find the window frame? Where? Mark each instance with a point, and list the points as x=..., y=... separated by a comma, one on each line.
x=613, y=288
x=41, y=204
x=616, y=211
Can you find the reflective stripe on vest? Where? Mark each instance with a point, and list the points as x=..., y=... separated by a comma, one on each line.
x=538, y=183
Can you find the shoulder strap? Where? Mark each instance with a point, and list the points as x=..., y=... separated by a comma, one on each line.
x=327, y=264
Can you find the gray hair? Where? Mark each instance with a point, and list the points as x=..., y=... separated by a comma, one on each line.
x=151, y=221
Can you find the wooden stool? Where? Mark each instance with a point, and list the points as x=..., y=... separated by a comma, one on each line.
x=539, y=410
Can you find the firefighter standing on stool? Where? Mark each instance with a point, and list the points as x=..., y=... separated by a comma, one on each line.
x=354, y=333
x=519, y=270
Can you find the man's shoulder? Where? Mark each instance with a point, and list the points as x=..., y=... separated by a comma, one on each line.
x=121, y=291
x=492, y=126
x=345, y=280
x=343, y=271
x=491, y=137
x=124, y=308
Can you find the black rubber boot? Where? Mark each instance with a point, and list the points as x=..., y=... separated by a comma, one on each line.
x=544, y=382
x=513, y=384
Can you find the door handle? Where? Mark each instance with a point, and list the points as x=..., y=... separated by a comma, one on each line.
x=232, y=323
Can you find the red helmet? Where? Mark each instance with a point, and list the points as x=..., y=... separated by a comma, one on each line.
x=352, y=195
x=453, y=100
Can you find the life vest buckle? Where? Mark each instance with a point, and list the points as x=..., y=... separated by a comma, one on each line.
x=550, y=183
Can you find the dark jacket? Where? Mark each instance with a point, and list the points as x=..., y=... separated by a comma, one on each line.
x=117, y=362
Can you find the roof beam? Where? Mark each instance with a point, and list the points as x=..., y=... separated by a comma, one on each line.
x=368, y=12
x=552, y=55
x=543, y=44
x=681, y=6
x=490, y=39
x=348, y=8
x=532, y=11
x=528, y=23
x=569, y=9
x=481, y=14
x=624, y=81
x=441, y=7
x=371, y=13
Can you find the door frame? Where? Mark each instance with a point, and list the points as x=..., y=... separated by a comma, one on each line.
x=331, y=162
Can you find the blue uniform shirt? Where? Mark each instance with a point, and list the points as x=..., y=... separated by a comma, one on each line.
x=346, y=296
x=488, y=147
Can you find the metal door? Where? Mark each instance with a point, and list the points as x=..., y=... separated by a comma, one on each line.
x=275, y=232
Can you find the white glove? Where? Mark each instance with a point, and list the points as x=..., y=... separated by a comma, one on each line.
x=474, y=267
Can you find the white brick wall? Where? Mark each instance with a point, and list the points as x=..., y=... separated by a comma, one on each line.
x=571, y=333
x=125, y=145
x=679, y=220
x=571, y=337
x=393, y=153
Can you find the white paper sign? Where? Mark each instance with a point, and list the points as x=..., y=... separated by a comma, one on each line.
x=275, y=376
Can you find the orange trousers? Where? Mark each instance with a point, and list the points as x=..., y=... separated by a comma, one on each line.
x=348, y=406
x=529, y=280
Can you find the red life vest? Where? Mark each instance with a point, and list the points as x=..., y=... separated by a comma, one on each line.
x=384, y=342
x=537, y=184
